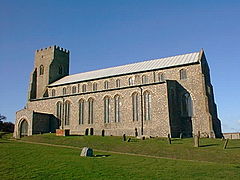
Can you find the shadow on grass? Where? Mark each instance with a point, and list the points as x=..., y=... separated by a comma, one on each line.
x=101, y=155
x=233, y=147
x=208, y=145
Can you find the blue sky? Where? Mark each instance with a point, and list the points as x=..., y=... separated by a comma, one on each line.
x=105, y=33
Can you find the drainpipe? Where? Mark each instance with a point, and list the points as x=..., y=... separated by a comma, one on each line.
x=141, y=90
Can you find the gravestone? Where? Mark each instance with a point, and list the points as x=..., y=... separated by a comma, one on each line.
x=129, y=139
x=169, y=139
x=181, y=135
x=136, y=132
x=124, y=137
x=196, y=141
x=103, y=133
x=87, y=152
x=225, y=144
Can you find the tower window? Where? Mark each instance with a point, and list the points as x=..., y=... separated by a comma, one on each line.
x=60, y=70
x=41, y=70
x=183, y=74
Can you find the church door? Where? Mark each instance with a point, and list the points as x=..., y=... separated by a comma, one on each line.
x=24, y=128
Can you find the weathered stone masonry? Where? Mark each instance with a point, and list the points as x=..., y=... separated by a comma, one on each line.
x=175, y=104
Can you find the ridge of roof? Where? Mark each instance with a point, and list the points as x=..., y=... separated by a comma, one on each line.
x=146, y=65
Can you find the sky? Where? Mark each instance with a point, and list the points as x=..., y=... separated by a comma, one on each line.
x=106, y=33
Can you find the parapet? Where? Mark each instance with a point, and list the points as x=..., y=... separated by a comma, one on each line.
x=50, y=48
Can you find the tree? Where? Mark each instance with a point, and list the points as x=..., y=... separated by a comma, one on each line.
x=2, y=117
x=5, y=126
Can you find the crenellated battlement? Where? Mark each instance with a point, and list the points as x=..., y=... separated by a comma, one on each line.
x=50, y=48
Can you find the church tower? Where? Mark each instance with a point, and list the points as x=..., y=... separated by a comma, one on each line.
x=51, y=64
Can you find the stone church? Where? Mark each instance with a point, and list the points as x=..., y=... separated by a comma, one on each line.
x=171, y=95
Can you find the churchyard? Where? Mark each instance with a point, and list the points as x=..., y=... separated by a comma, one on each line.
x=49, y=157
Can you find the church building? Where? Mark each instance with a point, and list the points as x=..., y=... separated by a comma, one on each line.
x=171, y=95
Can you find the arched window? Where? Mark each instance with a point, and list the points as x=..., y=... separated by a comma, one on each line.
x=59, y=111
x=131, y=81
x=90, y=111
x=161, y=77
x=106, y=109
x=84, y=88
x=186, y=105
x=74, y=89
x=117, y=108
x=64, y=91
x=147, y=105
x=183, y=74
x=67, y=112
x=81, y=111
x=106, y=85
x=41, y=70
x=144, y=79
x=95, y=86
x=118, y=83
x=60, y=70
x=53, y=92
x=135, y=105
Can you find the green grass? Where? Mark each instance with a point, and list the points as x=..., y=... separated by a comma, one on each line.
x=20, y=160
x=211, y=149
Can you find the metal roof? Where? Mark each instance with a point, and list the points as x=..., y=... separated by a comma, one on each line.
x=131, y=68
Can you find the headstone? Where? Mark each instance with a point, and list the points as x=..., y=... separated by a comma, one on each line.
x=136, y=132
x=87, y=152
x=129, y=139
x=196, y=141
x=169, y=139
x=124, y=137
x=143, y=137
x=181, y=135
x=103, y=133
x=225, y=144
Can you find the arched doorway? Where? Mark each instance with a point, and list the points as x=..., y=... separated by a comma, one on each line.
x=23, y=128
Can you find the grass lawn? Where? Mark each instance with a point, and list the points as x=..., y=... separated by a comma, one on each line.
x=20, y=160
x=211, y=149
